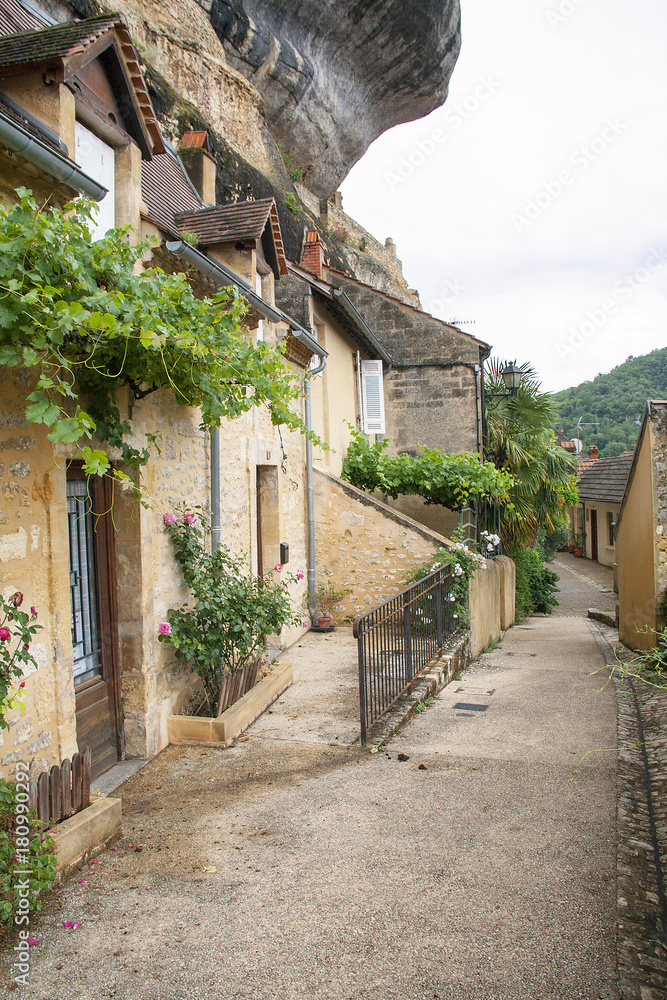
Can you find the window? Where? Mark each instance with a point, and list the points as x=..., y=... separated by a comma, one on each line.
x=97, y=160
x=611, y=524
x=372, y=397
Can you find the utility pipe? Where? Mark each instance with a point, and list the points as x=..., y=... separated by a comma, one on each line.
x=310, y=491
x=54, y=163
x=215, y=490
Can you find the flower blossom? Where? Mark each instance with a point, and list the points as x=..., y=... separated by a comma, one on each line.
x=189, y=519
x=164, y=628
x=32, y=941
x=300, y=574
x=306, y=624
x=278, y=567
x=458, y=570
x=490, y=547
x=16, y=599
x=33, y=611
x=169, y=518
x=4, y=634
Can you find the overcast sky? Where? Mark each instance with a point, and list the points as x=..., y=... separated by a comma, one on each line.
x=534, y=200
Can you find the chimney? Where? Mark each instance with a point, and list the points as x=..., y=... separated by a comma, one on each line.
x=593, y=453
x=312, y=258
x=195, y=153
x=390, y=246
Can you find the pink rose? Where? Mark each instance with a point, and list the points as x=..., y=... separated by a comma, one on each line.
x=33, y=612
x=278, y=567
x=300, y=574
x=169, y=518
x=306, y=624
x=4, y=634
x=22, y=684
x=189, y=519
x=32, y=942
x=164, y=628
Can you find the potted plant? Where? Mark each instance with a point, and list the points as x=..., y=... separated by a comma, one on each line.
x=327, y=599
x=578, y=550
x=221, y=632
x=570, y=545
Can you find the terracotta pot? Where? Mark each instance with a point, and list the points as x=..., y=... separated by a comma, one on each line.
x=324, y=621
x=578, y=553
x=570, y=549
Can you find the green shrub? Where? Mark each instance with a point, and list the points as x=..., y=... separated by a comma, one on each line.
x=19, y=853
x=552, y=542
x=536, y=584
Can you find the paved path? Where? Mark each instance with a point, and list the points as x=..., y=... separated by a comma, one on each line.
x=480, y=867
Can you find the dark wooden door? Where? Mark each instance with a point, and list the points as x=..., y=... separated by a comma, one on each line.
x=594, y=535
x=94, y=621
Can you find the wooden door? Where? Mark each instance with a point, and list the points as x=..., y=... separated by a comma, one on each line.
x=594, y=534
x=94, y=621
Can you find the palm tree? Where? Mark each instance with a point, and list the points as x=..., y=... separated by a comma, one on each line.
x=520, y=439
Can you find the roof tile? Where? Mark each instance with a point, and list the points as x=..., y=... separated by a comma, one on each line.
x=245, y=220
x=606, y=479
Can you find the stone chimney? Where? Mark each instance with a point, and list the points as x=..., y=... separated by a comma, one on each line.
x=390, y=246
x=593, y=453
x=312, y=258
x=195, y=152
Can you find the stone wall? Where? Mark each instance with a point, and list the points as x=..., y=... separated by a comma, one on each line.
x=432, y=390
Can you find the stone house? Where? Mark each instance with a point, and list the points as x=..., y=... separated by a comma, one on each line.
x=641, y=534
x=75, y=117
x=601, y=488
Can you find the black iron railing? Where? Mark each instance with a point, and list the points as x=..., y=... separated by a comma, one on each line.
x=398, y=639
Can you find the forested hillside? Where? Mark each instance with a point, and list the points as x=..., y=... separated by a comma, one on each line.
x=615, y=402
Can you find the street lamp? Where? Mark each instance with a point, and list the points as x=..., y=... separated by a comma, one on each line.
x=511, y=376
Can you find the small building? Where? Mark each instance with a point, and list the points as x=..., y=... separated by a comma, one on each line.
x=641, y=534
x=601, y=489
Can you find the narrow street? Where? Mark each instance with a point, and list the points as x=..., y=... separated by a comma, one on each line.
x=296, y=865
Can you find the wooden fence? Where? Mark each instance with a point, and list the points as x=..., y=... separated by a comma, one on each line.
x=62, y=791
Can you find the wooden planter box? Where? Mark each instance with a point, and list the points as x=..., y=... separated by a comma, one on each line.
x=188, y=729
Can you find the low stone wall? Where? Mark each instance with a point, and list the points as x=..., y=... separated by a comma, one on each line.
x=363, y=544
x=507, y=591
x=485, y=607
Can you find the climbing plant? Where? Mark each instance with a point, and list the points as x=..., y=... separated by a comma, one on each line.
x=452, y=480
x=77, y=313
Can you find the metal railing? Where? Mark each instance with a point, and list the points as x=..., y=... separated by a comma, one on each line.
x=398, y=639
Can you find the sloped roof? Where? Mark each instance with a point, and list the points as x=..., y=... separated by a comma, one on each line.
x=167, y=191
x=606, y=479
x=70, y=46
x=14, y=17
x=241, y=222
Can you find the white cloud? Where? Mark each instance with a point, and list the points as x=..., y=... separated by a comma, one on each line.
x=582, y=96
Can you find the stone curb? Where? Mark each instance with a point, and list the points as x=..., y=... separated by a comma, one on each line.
x=604, y=616
x=190, y=730
x=86, y=834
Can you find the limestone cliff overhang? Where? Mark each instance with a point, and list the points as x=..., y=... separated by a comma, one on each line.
x=243, y=225
x=115, y=99
x=343, y=310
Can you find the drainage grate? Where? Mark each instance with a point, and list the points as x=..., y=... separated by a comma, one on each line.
x=464, y=706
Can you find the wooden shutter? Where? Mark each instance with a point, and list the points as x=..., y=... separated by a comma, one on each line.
x=372, y=397
x=97, y=160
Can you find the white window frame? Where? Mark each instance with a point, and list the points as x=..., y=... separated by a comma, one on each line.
x=372, y=397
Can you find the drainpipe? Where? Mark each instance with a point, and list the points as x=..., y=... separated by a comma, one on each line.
x=215, y=490
x=310, y=493
x=54, y=163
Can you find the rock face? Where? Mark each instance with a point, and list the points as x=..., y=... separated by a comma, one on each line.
x=335, y=75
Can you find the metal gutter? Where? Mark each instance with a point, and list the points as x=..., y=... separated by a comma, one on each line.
x=224, y=276
x=54, y=163
x=354, y=314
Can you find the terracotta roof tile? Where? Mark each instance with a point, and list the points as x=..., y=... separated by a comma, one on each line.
x=195, y=140
x=167, y=191
x=15, y=18
x=240, y=222
x=606, y=479
x=56, y=42
x=59, y=42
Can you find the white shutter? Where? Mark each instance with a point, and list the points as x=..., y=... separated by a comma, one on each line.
x=372, y=396
x=98, y=161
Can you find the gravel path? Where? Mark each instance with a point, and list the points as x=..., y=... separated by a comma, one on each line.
x=482, y=866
